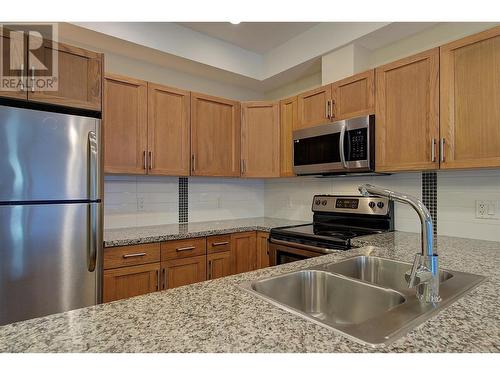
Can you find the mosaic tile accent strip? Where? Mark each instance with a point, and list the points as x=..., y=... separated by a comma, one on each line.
x=183, y=199
x=429, y=196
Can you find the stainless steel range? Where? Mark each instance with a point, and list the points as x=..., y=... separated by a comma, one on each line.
x=336, y=221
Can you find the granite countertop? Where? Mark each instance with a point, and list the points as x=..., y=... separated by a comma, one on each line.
x=218, y=316
x=157, y=233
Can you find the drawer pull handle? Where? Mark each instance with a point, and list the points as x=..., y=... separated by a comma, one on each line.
x=185, y=248
x=157, y=279
x=220, y=243
x=125, y=256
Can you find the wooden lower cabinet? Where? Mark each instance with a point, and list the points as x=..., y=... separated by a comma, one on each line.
x=244, y=252
x=138, y=269
x=184, y=271
x=131, y=281
x=219, y=265
x=262, y=250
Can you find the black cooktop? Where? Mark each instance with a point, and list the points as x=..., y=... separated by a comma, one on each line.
x=330, y=236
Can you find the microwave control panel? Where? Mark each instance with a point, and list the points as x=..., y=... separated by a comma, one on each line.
x=358, y=141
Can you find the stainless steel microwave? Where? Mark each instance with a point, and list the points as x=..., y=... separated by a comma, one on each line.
x=341, y=147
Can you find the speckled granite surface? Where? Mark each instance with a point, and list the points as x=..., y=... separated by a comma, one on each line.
x=217, y=316
x=157, y=233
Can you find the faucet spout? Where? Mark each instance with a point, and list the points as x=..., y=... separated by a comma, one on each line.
x=424, y=274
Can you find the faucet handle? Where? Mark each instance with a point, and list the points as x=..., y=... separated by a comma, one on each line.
x=411, y=276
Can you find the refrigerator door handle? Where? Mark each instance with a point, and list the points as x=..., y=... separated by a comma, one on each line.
x=93, y=235
x=93, y=166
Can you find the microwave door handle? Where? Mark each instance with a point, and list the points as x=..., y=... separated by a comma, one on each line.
x=341, y=144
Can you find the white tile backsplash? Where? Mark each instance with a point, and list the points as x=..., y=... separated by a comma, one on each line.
x=292, y=198
x=224, y=198
x=140, y=200
x=151, y=200
x=457, y=195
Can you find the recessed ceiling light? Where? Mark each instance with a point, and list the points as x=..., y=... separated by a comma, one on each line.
x=235, y=22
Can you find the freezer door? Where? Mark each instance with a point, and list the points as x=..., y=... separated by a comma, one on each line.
x=48, y=262
x=48, y=156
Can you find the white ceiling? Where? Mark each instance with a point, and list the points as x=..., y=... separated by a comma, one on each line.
x=259, y=37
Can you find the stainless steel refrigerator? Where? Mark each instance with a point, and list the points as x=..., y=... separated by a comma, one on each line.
x=50, y=213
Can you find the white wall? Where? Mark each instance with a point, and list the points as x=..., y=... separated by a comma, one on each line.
x=225, y=198
x=127, y=59
x=291, y=198
x=296, y=87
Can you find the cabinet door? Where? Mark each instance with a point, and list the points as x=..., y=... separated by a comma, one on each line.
x=313, y=107
x=260, y=139
x=288, y=123
x=125, y=125
x=130, y=281
x=219, y=265
x=79, y=78
x=179, y=272
x=17, y=84
x=168, y=130
x=244, y=252
x=407, y=113
x=354, y=96
x=470, y=101
x=215, y=136
x=262, y=249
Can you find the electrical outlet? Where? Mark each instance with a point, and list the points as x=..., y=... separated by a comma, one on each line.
x=487, y=209
x=140, y=204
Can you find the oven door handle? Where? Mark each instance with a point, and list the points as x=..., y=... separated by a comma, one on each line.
x=341, y=144
x=300, y=246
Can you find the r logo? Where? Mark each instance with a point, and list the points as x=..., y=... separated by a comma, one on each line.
x=28, y=57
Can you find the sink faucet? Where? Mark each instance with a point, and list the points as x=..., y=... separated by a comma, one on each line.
x=424, y=274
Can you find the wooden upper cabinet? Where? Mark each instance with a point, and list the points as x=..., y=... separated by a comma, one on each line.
x=407, y=113
x=130, y=281
x=215, y=136
x=244, y=252
x=125, y=125
x=168, y=130
x=260, y=139
x=288, y=123
x=353, y=96
x=79, y=77
x=470, y=101
x=20, y=70
x=313, y=107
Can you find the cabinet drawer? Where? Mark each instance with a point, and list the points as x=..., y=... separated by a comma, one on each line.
x=217, y=244
x=121, y=256
x=183, y=248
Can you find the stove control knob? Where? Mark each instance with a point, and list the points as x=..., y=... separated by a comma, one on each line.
x=317, y=202
x=324, y=202
x=371, y=205
x=380, y=204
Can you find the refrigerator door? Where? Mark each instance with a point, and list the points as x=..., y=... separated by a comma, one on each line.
x=48, y=156
x=50, y=259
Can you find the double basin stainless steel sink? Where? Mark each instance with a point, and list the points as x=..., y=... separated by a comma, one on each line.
x=365, y=298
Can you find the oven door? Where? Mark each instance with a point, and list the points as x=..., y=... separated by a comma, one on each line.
x=341, y=147
x=281, y=253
